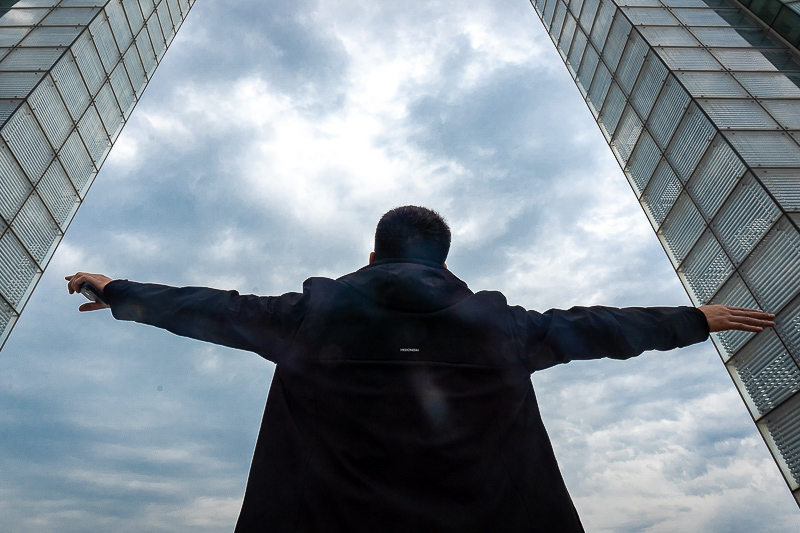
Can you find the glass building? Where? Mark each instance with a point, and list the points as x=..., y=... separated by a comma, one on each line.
x=71, y=72
x=700, y=103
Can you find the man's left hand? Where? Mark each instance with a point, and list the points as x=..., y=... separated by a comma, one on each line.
x=726, y=317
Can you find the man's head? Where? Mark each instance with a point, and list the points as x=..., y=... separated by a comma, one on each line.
x=412, y=232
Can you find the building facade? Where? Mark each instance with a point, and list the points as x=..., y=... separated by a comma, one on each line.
x=700, y=103
x=71, y=72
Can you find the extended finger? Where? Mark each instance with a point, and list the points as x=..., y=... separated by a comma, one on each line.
x=744, y=311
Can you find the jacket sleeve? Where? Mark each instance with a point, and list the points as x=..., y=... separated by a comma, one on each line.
x=559, y=336
x=262, y=324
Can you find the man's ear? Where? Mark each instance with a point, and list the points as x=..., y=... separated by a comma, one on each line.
x=371, y=258
x=445, y=266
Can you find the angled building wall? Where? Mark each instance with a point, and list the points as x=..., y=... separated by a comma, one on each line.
x=71, y=72
x=700, y=103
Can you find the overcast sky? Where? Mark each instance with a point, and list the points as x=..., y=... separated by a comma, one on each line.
x=271, y=139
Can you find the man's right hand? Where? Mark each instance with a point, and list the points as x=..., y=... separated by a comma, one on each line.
x=726, y=317
x=98, y=281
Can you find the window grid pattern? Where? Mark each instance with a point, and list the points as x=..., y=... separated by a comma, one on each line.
x=700, y=105
x=71, y=72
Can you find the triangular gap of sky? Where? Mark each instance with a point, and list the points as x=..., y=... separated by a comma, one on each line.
x=268, y=144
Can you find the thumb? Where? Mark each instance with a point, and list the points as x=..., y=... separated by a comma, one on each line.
x=92, y=306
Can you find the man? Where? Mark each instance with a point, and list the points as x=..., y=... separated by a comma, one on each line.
x=401, y=400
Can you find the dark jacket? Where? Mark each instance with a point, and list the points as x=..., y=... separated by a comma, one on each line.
x=401, y=400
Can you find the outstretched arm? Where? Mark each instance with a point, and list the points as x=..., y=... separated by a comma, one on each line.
x=726, y=317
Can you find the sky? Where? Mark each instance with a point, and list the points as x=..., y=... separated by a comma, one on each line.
x=270, y=141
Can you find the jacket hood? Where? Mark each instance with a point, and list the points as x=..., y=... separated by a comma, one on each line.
x=408, y=285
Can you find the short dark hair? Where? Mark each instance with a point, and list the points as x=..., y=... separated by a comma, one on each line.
x=412, y=232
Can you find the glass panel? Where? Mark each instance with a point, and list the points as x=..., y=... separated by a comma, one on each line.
x=746, y=217
x=741, y=114
x=688, y=59
x=765, y=9
x=723, y=37
x=134, y=14
x=122, y=89
x=157, y=38
x=146, y=52
x=12, y=36
x=49, y=109
x=783, y=428
x=668, y=36
x=599, y=88
x=667, y=112
x=547, y=12
x=70, y=16
x=631, y=62
x=736, y=18
x=14, y=187
x=23, y=17
x=766, y=148
x=586, y=72
x=574, y=6
x=786, y=112
x=19, y=84
x=705, y=269
x=51, y=36
x=612, y=110
x=58, y=194
x=28, y=143
x=17, y=270
x=681, y=229
x=119, y=24
x=649, y=85
x=31, y=59
x=605, y=15
x=7, y=108
x=104, y=41
x=773, y=270
x=89, y=63
x=787, y=23
x=627, y=133
x=734, y=293
x=175, y=12
x=787, y=324
x=743, y=59
x=566, y=35
x=7, y=318
x=699, y=17
x=617, y=38
x=643, y=162
x=109, y=111
x=690, y=142
x=77, y=163
x=576, y=53
x=661, y=193
x=588, y=13
x=770, y=84
x=784, y=184
x=650, y=16
x=36, y=229
x=94, y=135
x=766, y=371
x=166, y=22
x=715, y=176
x=134, y=67
x=70, y=84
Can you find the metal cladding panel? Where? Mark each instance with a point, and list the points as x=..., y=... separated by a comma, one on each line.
x=701, y=106
x=72, y=72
